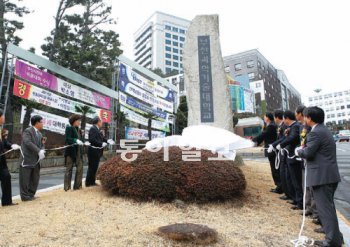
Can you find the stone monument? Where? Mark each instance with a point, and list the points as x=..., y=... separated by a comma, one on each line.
x=207, y=89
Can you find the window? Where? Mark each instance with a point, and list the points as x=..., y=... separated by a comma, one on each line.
x=348, y=106
x=251, y=75
x=175, y=50
x=175, y=43
x=238, y=66
x=182, y=39
x=167, y=55
x=175, y=29
x=167, y=48
x=175, y=64
x=167, y=70
x=182, y=31
x=259, y=64
x=257, y=85
x=168, y=42
x=180, y=58
x=260, y=76
x=175, y=57
x=181, y=45
x=342, y=107
x=250, y=64
x=175, y=37
x=167, y=27
x=167, y=62
x=168, y=35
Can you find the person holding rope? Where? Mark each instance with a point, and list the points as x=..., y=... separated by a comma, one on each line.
x=73, y=153
x=322, y=174
x=5, y=176
x=268, y=136
x=33, y=151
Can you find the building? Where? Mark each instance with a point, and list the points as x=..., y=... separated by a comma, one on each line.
x=336, y=106
x=159, y=42
x=271, y=86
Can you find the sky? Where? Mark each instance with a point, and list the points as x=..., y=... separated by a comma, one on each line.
x=308, y=40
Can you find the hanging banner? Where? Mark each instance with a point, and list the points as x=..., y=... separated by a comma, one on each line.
x=46, y=80
x=53, y=122
x=137, y=106
x=26, y=91
x=141, y=134
x=147, y=85
x=137, y=118
x=142, y=95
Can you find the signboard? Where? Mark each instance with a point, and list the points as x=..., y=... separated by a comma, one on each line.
x=137, y=118
x=141, y=134
x=147, y=85
x=131, y=89
x=242, y=99
x=53, y=122
x=26, y=91
x=205, y=80
x=47, y=80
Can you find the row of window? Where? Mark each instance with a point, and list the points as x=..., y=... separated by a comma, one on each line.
x=175, y=43
x=341, y=114
x=175, y=64
x=175, y=29
x=175, y=50
x=327, y=96
x=250, y=64
x=169, y=70
x=175, y=57
x=175, y=37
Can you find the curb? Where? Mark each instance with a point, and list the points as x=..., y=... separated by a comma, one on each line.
x=344, y=226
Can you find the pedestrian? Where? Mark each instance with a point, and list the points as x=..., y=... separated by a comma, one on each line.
x=73, y=154
x=95, y=151
x=288, y=145
x=269, y=136
x=33, y=152
x=322, y=174
x=5, y=176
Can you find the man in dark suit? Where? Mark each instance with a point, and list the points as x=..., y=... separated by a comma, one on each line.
x=5, y=176
x=322, y=174
x=33, y=151
x=268, y=136
x=96, y=139
x=288, y=145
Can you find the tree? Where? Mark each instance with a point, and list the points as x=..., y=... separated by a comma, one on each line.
x=84, y=110
x=121, y=121
x=29, y=105
x=159, y=72
x=235, y=120
x=181, y=115
x=150, y=117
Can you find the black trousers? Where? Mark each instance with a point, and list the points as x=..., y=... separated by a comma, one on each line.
x=5, y=178
x=93, y=163
x=275, y=172
x=324, y=198
x=286, y=181
x=295, y=171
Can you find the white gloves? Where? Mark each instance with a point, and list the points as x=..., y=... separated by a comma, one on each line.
x=296, y=151
x=87, y=143
x=104, y=144
x=79, y=142
x=111, y=142
x=270, y=149
x=41, y=154
x=15, y=146
x=279, y=147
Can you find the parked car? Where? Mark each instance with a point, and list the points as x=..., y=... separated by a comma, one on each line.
x=343, y=136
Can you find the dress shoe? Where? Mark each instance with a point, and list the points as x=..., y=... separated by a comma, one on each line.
x=27, y=199
x=314, y=217
x=12, y=204
x=284, y=198
x=307, y=213
x=323, y=243
x=319, y=230
x=292, y=202
x=316, y=221
x=297, y=208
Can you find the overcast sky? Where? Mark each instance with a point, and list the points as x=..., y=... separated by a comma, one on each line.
x=309, y=40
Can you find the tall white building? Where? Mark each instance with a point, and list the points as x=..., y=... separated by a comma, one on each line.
x=159, y=42
x=336, y=105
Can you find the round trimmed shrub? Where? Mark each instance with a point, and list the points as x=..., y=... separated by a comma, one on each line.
x=150, y=177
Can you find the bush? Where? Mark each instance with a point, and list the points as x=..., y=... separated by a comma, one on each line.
x=150, y=177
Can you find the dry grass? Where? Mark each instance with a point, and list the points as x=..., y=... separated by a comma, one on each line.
x=90, y=217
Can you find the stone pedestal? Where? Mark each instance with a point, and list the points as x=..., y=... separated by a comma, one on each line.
x=207, y=88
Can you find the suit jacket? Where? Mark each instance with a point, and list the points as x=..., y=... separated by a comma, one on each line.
x=31, y=146
x=72, y=134
x=4, y=145
x=96, y=139
x=292, y=138
x=321, y=156
x=268, y=136
x=280, y=135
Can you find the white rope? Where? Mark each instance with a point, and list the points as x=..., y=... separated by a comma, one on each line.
x=277, y=160
x=303, y=241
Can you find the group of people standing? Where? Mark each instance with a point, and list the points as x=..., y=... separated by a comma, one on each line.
x=302, y=155
x=33, y=152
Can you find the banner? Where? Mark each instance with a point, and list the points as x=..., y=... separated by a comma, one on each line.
x=46, y=80
x=148, y=85
x=137, y=106
x=53, y=122
x=26, y=91
x=137, y=118
x=141, y=134
x=242, y=99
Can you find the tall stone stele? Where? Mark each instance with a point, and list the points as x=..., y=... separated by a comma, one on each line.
x=207, y=89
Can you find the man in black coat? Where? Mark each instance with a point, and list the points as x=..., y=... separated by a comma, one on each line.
x=288, y=145
x=96, y=139
x=5, y=176
x=268, y=136
x=322, y=174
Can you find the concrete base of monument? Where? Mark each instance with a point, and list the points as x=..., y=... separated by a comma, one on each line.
x=90, y=217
